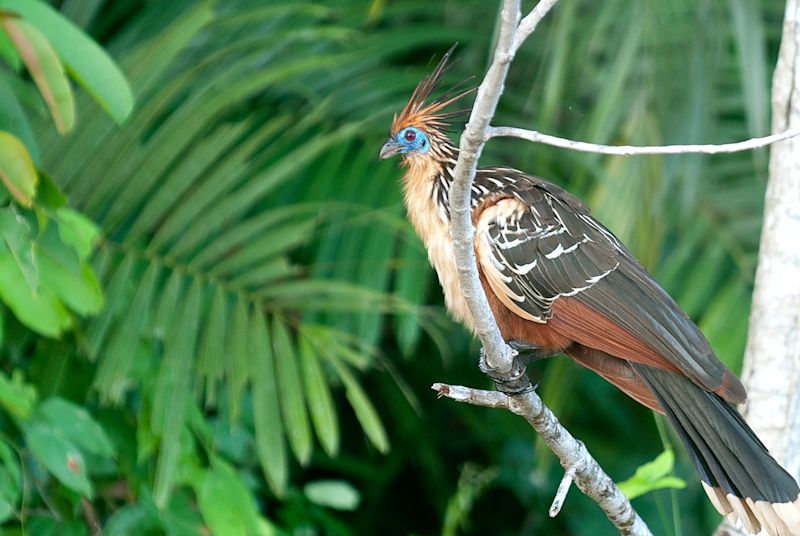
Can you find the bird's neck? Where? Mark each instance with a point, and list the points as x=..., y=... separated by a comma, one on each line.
x=426, y=183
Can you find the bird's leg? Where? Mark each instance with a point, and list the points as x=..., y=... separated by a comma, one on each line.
x=515, y=381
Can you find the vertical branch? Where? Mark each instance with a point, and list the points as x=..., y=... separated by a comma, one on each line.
x=588, y=475
x=498, y=354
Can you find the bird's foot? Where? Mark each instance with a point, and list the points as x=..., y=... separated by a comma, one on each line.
x=513, y=382
x=528, y=351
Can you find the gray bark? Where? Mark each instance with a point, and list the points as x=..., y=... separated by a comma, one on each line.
x=772, y=358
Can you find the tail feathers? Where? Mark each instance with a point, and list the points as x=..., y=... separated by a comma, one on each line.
x=739, y=476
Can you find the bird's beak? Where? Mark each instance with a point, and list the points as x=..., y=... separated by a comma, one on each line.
x=390, y=148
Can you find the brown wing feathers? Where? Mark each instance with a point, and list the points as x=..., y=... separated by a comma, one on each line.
x=544, y=255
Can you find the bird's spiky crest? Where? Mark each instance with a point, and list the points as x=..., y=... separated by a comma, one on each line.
x=418, y=113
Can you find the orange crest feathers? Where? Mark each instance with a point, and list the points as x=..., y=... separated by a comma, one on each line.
x=420, y=114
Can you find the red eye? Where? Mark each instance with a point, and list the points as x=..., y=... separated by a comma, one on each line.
x=410, y=135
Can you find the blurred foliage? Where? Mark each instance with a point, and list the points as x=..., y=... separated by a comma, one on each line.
x=258, y=361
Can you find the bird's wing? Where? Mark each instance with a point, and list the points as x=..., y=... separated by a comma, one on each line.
x=549, y=261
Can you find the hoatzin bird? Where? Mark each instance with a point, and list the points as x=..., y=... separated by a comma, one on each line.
x=558, y=281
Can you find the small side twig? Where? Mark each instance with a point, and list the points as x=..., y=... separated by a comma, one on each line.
x=561, y=493
x=632, y=150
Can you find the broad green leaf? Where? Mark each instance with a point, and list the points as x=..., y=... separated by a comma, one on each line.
x=48, y=196
x=336, y=494
x=16, y=233
x=131, y=519
x=320, y=401
x=364, y=410
x=17, y=397
x=290, y=387
x=652, y=476
x=86, y=61
x=16, y=169
x=45, y=68
x=266, y=408
x=59, y=455
x=225, y=502
x=76, y=425
x=77, y=230
x=61, y=271
x=40, y=311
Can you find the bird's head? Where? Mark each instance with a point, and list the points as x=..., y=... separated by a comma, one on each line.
x=418, y=131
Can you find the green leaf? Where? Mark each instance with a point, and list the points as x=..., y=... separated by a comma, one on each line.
x=86, y=61
x=336, y=494
x=112, y=379
x=239, y=362
x=172, y=391
x=266, y=413
x=59, y=455
x=16, y=232
x=291, y=392
x=47, y=193
x=10, y=480
x=45, y=68
x=41, y=311
x=117, y=285
x=77, y=230
x=9, y=53
x=365, y=411
x=320, y=401
x=16, y=169
x=225, y=502
x=77, y=426
x=16, y=396
x=652, y=476
x=13, y=118
x=211, y=359
x=62, y=272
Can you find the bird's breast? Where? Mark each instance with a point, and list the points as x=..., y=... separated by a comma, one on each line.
x=432, y=225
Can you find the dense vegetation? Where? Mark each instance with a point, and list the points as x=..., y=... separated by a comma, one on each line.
x=216, y=318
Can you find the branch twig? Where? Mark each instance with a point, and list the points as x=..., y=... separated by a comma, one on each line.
x=589, y=476
x=530, y=22
x=576, y=460
x=561, y=494
x=631, y=150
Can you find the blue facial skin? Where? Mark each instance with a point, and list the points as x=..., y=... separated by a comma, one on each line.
x=413, y=140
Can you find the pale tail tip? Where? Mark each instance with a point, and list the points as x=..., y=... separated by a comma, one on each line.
x=775, y=519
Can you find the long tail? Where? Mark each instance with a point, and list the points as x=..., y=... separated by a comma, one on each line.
x=740, y=477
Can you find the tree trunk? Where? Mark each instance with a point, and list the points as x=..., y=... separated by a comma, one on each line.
x=772, y=359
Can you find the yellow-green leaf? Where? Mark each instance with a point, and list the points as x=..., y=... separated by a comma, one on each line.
x=16, y=169
x=88, y=63
x=45, y=68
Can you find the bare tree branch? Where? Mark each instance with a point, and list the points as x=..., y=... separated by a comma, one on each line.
x=528, y=24
x=631, y=150
x=589, y=476
x=498, y=354
x=576, y=460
